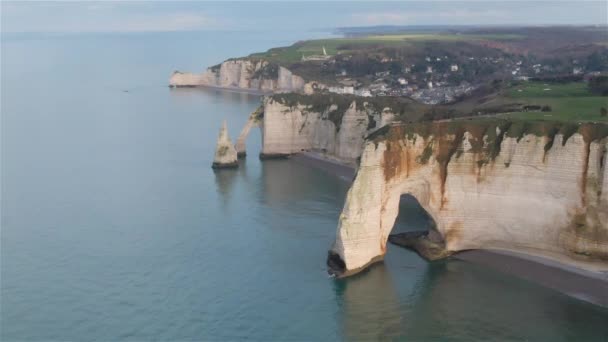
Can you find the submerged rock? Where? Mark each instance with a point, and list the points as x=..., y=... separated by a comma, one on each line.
x=225, y=153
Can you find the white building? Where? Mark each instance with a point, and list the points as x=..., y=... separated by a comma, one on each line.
x=363, y=92
x=402, y=81
x=429, y=69
x=322, y=57
x=430, y=85
x=342, y=90
x=454, y=67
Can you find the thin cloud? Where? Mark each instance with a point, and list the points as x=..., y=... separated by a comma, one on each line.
x=102, y=17
x=417, y=17
x=170, y=22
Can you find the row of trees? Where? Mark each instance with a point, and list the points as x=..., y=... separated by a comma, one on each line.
x=599, y=85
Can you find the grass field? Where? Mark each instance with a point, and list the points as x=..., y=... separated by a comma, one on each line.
x=568, y=102
x=294, y=53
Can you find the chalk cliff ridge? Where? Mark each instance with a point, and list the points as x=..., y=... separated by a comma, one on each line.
x=540, y=188
x=243, y=74
x=332, y=125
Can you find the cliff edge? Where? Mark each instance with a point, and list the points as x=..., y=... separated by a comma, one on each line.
x=242, y=74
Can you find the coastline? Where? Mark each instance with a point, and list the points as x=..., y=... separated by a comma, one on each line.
x=250, y=91
x=588, y=286
x=343, y=171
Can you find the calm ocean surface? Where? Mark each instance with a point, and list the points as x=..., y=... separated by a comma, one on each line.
x=114, y=226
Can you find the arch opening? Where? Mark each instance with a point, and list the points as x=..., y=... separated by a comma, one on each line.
x=415, y=229
x=254, y=120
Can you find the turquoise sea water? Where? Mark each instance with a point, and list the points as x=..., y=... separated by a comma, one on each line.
x=114, y=226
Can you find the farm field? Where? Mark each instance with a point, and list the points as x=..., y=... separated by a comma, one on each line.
x=294, y=53
x=568, y=102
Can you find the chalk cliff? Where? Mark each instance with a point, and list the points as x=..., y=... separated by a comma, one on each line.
x=246, y=74
x=333, y=125
x=538, y=188
x=225, y=153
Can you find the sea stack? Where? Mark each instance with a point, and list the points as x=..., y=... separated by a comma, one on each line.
x=225, y=153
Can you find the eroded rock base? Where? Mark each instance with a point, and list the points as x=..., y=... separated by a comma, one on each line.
x=421, y=243
x=267, y=156
x=337, y=268
x=217, y=166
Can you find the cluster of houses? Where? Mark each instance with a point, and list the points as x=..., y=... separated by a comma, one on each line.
x=430, y=88
x=438, y=80
x=439, y=92
x=442, y=94
x=521, y=72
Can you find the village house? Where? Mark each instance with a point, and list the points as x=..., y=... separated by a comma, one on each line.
x=363, y=92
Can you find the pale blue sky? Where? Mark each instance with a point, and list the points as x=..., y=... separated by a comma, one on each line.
x=145, y=16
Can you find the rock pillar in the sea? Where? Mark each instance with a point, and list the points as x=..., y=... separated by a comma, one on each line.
x=225, y=153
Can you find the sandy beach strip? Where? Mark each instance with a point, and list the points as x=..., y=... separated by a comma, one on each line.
x=585, y=285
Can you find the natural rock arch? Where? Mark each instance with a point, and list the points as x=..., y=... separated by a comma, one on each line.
x=483, y=190
x=370, y=213
x=253, y=121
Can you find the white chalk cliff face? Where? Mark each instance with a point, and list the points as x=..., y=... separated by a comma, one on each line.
x=532, y=193
x=242, y=74
x=225, y=153
x=337, y=132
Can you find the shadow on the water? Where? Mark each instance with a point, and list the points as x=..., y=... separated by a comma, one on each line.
x=225, y=180
x=370, y=305
x=285, y=181
x=455, y=293
x=444, y=296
